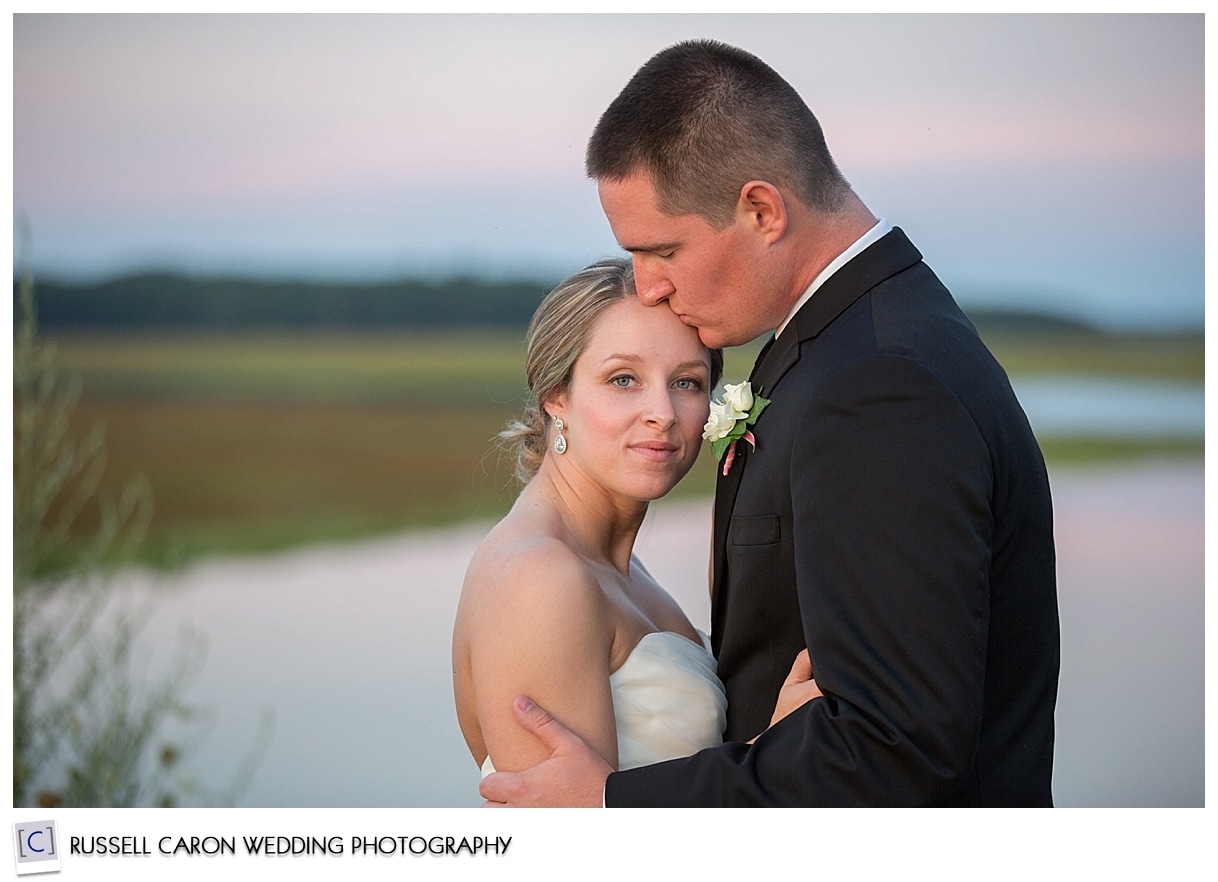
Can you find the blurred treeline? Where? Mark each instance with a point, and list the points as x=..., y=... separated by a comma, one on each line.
x=167, y=302
x=270, y=414
x=178, y=302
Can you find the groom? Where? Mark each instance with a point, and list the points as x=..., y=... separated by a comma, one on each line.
x=894, y=516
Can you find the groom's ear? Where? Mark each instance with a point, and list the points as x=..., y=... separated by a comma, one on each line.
x=763, y=209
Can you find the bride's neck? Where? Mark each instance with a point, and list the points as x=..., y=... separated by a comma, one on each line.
x=599, y=525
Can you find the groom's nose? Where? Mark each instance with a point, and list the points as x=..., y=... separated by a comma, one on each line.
x=653, y=286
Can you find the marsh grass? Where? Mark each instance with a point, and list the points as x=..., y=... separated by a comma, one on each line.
x=250, y=476
x=440, y=367
x=259, y=442
x=1176, y=356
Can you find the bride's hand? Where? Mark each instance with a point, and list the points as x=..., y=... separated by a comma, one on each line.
x=798, y=689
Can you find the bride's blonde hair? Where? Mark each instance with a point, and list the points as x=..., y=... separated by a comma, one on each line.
x=556, y=337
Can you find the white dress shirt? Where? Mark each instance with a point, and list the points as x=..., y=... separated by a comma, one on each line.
x=881, y=229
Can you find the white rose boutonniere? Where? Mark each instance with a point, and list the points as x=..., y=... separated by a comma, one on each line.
x=730, y=420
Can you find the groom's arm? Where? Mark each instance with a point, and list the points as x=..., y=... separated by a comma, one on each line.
x=572, y=777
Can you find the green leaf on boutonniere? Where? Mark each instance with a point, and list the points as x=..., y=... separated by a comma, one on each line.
x=759, y=404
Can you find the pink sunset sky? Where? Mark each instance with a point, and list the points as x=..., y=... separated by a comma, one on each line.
x=1045, y=161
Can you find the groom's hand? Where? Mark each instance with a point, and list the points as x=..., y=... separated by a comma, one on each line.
x=573, y=776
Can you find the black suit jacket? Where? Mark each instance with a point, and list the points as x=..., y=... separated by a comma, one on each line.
x=895, y=518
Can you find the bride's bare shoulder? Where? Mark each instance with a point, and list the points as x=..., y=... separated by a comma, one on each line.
x=513, y=547
x=522, y=571
x=531, y=620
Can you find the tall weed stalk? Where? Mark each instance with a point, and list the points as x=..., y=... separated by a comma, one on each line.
x=88, y=728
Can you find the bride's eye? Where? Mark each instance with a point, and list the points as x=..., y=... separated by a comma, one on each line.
x=689, y=384
x=622, y=381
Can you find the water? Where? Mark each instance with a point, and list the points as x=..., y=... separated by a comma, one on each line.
x=350, y=648
x=1112, y=406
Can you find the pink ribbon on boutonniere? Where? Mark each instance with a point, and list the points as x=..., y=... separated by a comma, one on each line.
x=730, y=456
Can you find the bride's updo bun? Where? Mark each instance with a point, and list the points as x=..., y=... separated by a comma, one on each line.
x=556, y=337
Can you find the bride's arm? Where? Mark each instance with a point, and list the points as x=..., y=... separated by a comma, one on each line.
x=797, y=689
x=538, y=625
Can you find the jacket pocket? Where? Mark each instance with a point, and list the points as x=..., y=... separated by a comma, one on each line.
x=754, y=530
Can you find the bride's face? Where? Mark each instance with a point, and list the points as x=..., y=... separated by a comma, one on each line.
x=637, y=402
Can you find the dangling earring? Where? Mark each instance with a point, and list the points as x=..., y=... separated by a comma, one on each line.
x=560, y=443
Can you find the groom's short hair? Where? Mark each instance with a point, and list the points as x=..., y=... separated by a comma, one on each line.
x=702, y=119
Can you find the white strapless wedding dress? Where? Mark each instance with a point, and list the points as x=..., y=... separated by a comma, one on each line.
x=667, y=699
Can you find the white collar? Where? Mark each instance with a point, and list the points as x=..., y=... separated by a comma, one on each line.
x=881, y=229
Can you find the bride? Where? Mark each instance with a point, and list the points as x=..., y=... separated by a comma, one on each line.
x=555, y=605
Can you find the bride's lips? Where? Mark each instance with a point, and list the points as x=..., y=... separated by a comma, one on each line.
x=658, y=451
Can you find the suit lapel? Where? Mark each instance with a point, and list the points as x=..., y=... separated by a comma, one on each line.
x=782, y=354
x=890, y=255
x=775, y=359
x=879, y=261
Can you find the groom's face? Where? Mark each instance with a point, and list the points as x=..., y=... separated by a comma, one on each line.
x=709, y=277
